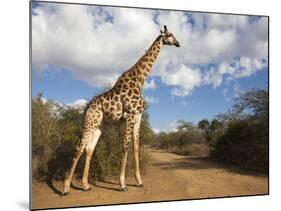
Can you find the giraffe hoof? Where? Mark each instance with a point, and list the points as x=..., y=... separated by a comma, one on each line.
x=140, y=185
x=64, y=193
x=124, y=189
x=87, y=189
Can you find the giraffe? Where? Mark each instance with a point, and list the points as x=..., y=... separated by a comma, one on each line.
x=123, y=101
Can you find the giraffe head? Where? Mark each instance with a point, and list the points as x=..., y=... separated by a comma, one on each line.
x=168, y=38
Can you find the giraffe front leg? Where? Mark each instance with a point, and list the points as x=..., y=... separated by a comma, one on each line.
x=89, y=153
x=126, y=142
x=136, y=150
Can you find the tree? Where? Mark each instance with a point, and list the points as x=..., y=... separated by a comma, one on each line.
x=45, y=134
x=146, y=132
x=244, y=144
x=44, y=122
x=70, y=123
x=184, y=125
x=204, y=124
x=252, y=104
x=215, y=125
x=244, y=141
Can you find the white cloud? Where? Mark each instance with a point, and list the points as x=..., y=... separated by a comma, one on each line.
x=237, y=90
x=98, y=43
x=149, y=84
x=217, y=20
x=44, y=100
x=84, y=40
x=167, y=127
x=212, y=77
x=54, y=106
x=184, y=78
x=156, y=130
x=150, y=99
x=225, y=94
x=78, y=104
x=238, y=68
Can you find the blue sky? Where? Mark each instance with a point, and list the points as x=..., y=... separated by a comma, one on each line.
x=78, y=49
x=204, y=102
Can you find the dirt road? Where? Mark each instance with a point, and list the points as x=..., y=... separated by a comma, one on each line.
x=168, y=177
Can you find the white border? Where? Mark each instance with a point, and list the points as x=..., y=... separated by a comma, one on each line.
x=14, y=84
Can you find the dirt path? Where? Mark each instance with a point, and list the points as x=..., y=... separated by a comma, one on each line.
x=168, y=177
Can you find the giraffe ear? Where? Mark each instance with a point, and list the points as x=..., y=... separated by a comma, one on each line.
x=165, y=28
x=161, y=31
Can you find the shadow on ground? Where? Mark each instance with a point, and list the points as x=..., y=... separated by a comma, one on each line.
x=203, y=163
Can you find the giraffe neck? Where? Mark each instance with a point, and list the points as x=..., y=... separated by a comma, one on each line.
x=144, y=65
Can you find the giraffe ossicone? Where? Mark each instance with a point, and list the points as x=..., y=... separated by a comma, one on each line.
x=124, y=101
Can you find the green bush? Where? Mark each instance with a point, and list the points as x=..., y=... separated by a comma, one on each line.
x=245, y=144
x=56, y=131
x=187, y=140
x=245, y=140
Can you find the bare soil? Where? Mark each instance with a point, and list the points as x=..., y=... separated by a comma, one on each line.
x=168, y=177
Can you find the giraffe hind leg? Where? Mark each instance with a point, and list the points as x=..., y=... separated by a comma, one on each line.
x=91, y=131
x=79, y=151
x=89, y=153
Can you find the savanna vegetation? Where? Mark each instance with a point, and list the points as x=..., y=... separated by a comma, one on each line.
x=239, y=137
x=245, y=140
x=56, y=130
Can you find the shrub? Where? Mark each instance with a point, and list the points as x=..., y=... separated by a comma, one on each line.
x=245, y=140
x=187, y=140
x=56, y=131
x=245, y=144
x=197, y=150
